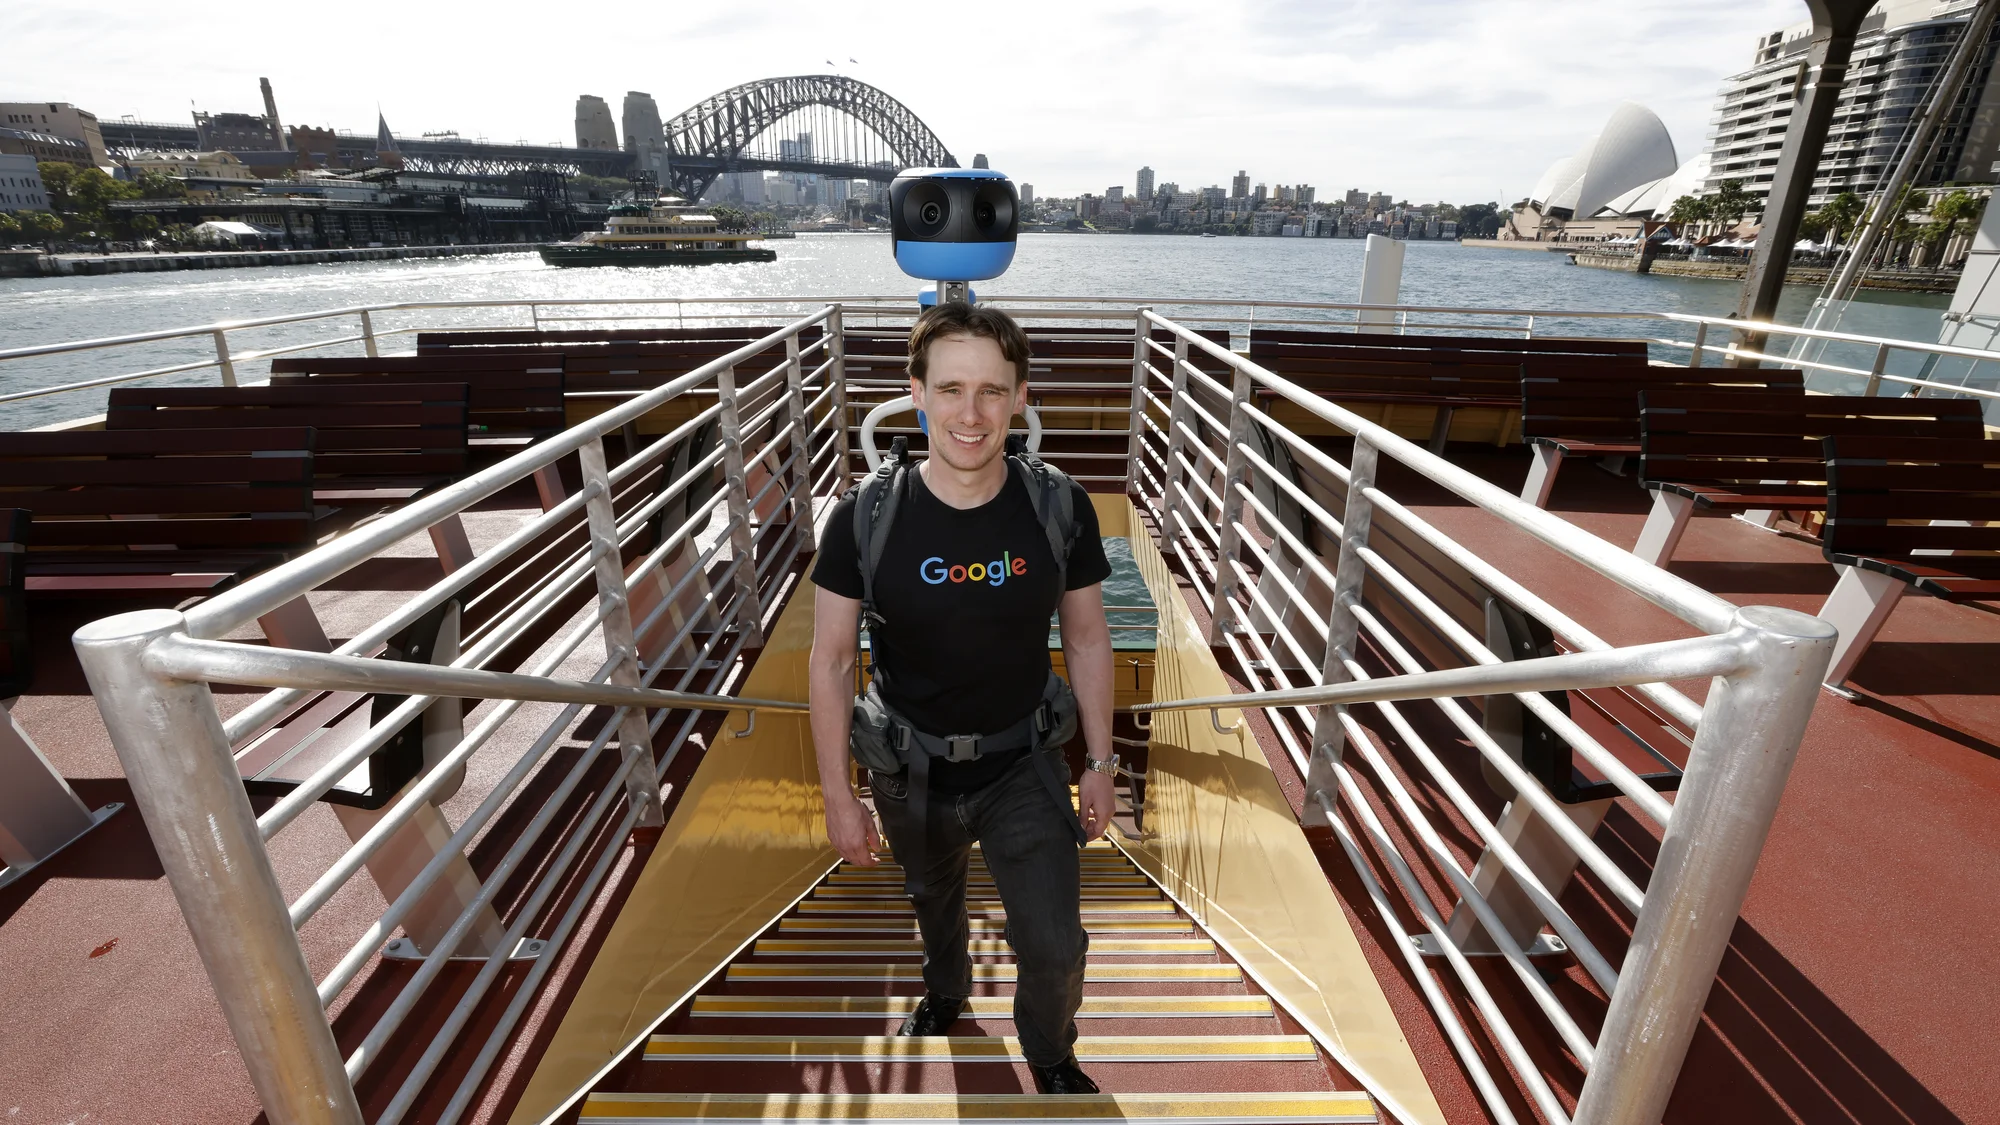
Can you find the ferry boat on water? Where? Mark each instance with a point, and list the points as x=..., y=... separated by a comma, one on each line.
x=663, y=232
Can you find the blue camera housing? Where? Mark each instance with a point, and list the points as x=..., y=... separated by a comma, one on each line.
x=954, y=224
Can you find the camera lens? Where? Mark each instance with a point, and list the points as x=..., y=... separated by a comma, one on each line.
x=982, y=214
x=926, y=209
x=993, y=210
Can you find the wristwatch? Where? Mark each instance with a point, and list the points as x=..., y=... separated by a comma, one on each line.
x=1108, y=765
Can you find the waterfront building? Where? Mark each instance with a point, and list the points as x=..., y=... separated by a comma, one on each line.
x=645, y=137
x=1448, y=228
x=245, y=132
x=206, y=173
x=1212, y=198
x=59, y=119
x=21, y=186
x=1027, y=196
x=594, y=128
x=1114, y=197
x=1381, y=201
x=1145, y=184
x=1901, y=47
x=1631, y=158
x=44, y=146
x=1239, y=187
x=1356, y=198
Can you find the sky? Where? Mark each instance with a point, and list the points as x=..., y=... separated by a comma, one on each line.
x=1428, y=100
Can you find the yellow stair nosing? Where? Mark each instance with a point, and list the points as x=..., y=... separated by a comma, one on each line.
x=987, y=947
x=1305, y=1108
x=991, y=908
x=1097, y=925
x=975, y=1048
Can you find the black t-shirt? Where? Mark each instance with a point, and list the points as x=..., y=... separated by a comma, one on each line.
x=966, y=595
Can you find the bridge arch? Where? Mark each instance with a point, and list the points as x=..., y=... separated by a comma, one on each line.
x=715, y=135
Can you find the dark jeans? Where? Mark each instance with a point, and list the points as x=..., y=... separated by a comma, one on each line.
x=1032, y=854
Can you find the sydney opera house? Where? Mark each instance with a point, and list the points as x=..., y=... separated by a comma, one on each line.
x=1626, y=173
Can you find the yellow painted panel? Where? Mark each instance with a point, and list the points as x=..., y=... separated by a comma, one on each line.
x=1230, y=850
x=747, y=840
x=1318, y=1109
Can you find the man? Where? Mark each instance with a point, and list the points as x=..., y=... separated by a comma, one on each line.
x=964, y=586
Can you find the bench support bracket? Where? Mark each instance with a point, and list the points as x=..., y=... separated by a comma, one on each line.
x=1542, y=474
x=1859, y=605
x=1664, y=527
x=40, y=814
x=453, y=546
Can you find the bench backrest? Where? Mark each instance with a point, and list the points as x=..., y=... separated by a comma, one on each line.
x=240, y=491
x=362, y=429
x=1603, y=405
x=1263, y=338
x=506, y=392
x=16, y=657
x=1701, y=437
x=1872, y=481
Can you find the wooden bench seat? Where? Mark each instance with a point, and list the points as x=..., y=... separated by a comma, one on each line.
x=1906, y=513
x=1582, y=412
x=447, y=341
x=159, y=509
x=389, y=441
x=1756, y=454
x=512, y=398
x=16, y=654
x=1445, y=374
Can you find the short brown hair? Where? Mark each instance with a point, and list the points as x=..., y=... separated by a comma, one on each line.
x=962, y=318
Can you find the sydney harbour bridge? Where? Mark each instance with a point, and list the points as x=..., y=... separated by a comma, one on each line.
x=823, y=124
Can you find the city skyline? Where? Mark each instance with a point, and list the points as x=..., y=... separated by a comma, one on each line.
x=1446, y=100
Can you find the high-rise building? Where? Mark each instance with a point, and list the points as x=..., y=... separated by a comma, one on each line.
x=57, y=119
x=1115, y=196
x=1145, y=192
x=1381, y=201
x=979, y=160
x=645, y=137
x=594, y=128
x=1239, y=187
x=21, y=187
x=1027, y=196
x=1897, y=56
x=1258, y=196
x=1212, y=198
x=1356, y=197
x=1306, y=194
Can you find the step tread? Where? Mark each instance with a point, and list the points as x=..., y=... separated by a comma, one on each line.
x=988, y=907
x=808, y=1007
x=1003, y=971
x=979, y=929
x=975, y=1048
x=991, y=947
x=1132, y=1109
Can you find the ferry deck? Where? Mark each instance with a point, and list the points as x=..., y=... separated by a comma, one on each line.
x=447, y=762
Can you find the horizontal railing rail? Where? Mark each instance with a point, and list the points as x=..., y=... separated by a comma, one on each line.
x=655, y=578
x=1330, y=596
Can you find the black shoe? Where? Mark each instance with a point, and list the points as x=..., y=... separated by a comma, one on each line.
x=933, y=1015
x=1063, y=1078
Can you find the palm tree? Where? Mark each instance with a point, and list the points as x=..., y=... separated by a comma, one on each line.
x=1729, y=203
x=1686, y=213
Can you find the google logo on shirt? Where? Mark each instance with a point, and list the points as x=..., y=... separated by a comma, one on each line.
x=933, y=570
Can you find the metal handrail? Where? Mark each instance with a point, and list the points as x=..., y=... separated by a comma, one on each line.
x=1265, y=589
x=151, y=673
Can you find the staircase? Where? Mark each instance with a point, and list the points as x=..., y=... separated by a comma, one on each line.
x=800, y=1027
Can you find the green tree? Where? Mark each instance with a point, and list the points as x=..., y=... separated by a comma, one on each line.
x=145, y=226
x=1687, y=214
x=153, y=185
x=1145, y=224
x=729, y=218
x=10, y=227
x=1953, y=213
x=1479, y=220
x=1841, y=213
x=39, y=225
x=1729, y=204
x=82, y=196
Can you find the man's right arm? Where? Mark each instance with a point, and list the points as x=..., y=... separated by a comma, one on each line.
x=835, y=651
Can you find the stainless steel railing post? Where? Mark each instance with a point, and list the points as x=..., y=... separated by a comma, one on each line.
x=1234, y=469
x=749, y=609
x=1743, y=752
x=1700, y=344
x=1874, y=386
x=1133, y=428
x=368, y=340
x=1171, y=483
x=837, y=340
x=222, y=359
x=1357, y=517
x=799, y=493
x=634, y=740
x=169, y=740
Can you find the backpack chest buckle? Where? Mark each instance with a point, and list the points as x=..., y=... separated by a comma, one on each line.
x=963, y=747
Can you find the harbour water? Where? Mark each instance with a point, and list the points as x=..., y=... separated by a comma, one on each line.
x=48, y=310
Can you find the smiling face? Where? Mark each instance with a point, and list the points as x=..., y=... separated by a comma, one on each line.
x=969, y=393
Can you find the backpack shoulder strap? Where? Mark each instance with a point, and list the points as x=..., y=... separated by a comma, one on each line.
x=875, y=505
x=1055, y=506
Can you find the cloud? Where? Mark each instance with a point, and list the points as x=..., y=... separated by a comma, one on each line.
x=1450, y=99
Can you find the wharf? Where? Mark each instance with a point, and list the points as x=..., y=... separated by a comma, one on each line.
x=91, y=265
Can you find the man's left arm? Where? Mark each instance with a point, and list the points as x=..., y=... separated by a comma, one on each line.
x=1086, y=644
